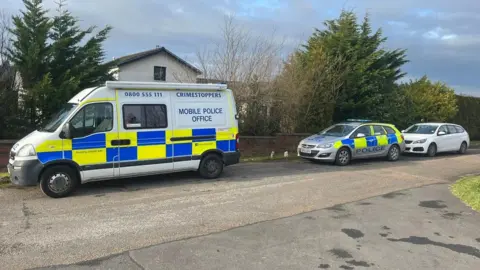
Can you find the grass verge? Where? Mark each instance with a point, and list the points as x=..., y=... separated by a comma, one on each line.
x=4, y=180
x=468, y=190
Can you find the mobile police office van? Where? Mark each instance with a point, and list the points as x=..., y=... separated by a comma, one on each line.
x=126, y=129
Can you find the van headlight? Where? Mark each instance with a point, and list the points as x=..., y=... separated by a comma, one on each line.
x=26, y=151
x=420, y=141
x=327, y=145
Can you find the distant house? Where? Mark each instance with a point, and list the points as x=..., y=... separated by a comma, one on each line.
x=157, y=65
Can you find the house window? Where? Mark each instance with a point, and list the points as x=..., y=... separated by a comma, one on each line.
x=159, y=73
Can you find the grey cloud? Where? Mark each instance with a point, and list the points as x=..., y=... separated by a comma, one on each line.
x=185, y=26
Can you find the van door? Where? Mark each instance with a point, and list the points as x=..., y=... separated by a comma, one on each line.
x=91, y=127
x=145, y=131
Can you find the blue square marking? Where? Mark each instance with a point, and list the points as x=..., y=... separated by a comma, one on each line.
x=182, y=149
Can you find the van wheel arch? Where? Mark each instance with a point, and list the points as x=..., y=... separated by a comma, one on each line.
x=213, y=152
x=211, y=164
x=74, y=166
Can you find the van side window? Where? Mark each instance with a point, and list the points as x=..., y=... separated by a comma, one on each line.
x=144, y=116
x=93, y=118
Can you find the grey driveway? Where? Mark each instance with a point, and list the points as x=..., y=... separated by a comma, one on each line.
x=422, y=228
x=114, y=217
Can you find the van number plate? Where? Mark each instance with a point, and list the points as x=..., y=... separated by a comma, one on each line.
x=306, y=151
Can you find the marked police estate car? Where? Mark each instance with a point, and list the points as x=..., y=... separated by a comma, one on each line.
x=353, y=139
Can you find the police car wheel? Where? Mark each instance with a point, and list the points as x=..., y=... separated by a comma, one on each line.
x=463, y=148
x=58, y=181
x=343, y=157
x=211, y=166
x=432, y=150
x=393, y=153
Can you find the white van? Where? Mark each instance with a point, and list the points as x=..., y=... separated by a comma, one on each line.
x=127, y=129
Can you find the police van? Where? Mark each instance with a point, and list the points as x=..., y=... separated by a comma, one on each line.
x=353, y=139
x=125, y=129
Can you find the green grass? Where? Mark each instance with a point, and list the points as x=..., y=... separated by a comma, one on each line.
x=468, y=190
x=4, y=180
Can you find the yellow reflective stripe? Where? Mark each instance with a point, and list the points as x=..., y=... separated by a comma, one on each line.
x=337, y=144
x=198, y=148
x=90, y=156
x=360, y=143
x=382, y=140
x=50, y=146
x=151, y=152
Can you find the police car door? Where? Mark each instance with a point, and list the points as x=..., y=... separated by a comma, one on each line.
x=381, y=140
x=361, y=145
x=144, y=127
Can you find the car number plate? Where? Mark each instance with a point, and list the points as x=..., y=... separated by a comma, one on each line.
x=306, y=151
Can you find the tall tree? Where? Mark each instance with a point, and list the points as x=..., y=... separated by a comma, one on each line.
x=370, y=72
x=424, y=100
x=30, y=52
x=74, y=66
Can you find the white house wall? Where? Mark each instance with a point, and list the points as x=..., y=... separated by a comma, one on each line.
x=142, y=70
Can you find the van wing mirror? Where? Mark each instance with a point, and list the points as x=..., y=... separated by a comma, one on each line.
x=66, y=131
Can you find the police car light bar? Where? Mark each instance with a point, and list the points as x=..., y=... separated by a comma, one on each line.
x=165, y=86
x=358, y=120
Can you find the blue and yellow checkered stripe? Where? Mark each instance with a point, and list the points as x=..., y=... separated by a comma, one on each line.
x=370, y=141
x=144, y=145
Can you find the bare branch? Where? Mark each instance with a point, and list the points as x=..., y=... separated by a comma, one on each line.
x=5, y=24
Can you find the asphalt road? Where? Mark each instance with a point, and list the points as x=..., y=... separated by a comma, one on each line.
x=113, y=217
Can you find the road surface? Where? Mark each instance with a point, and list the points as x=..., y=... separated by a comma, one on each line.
x=113, y=217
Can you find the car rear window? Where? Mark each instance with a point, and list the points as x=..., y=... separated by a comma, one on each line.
x=389, y=130
x=452, y=129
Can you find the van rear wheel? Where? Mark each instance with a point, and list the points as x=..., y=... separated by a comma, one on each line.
x=211, y=166
x=58, y=181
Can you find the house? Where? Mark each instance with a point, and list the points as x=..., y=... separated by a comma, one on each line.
x=157, y=65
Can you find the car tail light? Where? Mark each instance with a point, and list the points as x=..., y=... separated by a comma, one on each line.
x=237, y=139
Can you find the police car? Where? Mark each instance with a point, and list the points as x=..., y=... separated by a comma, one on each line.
x=125, y=129
x=353, y=139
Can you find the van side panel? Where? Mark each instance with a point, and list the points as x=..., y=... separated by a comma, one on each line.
x=145, y=120
x=204, y=122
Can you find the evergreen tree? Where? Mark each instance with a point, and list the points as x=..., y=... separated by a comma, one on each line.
x=369, y=72
x=30, y=52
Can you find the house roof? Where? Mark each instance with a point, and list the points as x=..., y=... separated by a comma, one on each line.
x=141, y=55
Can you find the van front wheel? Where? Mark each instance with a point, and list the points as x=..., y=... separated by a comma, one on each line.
x=58, y=181
x=211, y=166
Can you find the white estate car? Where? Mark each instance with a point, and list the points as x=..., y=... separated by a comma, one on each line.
x=433, y=138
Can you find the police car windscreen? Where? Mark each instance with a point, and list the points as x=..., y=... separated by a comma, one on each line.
x=422, y=129
x=337, y=130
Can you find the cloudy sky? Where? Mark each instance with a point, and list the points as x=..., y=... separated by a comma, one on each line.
x=442, y=36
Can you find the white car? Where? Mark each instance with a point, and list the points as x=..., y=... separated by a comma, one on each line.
x=433, y=138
